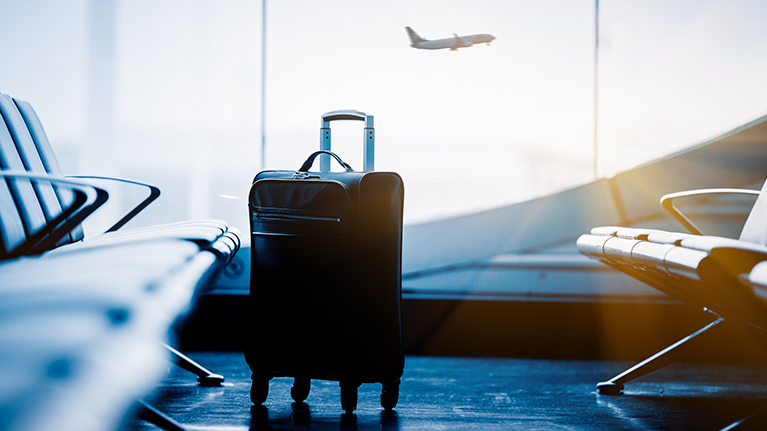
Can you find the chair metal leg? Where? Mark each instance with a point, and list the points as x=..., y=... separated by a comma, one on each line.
x=657, y=361
x=204, y=377
x=755, y=420
x=150, y=414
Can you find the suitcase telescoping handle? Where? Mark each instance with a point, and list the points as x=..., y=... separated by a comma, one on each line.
x=369, y=142
x=310, y=161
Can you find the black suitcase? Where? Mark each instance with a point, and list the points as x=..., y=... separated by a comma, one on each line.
x=325, y=285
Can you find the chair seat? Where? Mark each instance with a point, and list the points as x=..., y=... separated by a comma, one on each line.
x=672, y=238
x=703, y=270
x=81, y=339
x=619, y=249
x=210, y=235
x=635, y=233
x=651, y=255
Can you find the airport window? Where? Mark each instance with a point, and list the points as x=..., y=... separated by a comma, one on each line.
x=581, y=183
x=171, y=93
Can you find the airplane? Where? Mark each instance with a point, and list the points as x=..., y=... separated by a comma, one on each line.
x=453, y=43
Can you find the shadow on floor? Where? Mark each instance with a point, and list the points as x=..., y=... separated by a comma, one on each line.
x=476, y=394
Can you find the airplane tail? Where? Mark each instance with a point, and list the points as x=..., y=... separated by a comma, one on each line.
x=414, y=37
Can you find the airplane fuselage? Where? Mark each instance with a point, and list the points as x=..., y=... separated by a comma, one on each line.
x=454, y=42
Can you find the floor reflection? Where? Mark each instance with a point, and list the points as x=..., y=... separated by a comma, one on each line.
x=476, y=394
x=300, y=417
x=301, y=414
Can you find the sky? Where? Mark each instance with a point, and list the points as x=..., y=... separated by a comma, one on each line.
x=468, y=130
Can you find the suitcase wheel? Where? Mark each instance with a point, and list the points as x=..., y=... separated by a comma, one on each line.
x=259, y=390
x=349, y=397
x=390, y=395
x=300, y=389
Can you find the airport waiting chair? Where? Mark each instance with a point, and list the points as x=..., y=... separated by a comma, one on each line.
x=40, y=210
x=705, y=271
x=41, y=215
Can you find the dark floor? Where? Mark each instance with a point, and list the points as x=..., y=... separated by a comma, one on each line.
x=473, y=393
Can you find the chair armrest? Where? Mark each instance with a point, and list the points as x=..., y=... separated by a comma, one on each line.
x=667, y=201
x=88, y=199
x=154, y=193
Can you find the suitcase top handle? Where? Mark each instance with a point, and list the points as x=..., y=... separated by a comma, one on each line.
x=310, y=161
x=347, y=114
x=368, y=153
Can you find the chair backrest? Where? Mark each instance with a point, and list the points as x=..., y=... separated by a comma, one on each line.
x=25, y=206
x=755, y=229
x=50, y=163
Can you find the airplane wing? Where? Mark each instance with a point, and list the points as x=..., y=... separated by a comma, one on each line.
x=459, y=43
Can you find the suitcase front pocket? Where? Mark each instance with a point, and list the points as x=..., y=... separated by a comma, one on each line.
x=294, y=253
x=286, y=222
x=298, y=244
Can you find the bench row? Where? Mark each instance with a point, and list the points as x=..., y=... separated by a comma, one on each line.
x=85, y=322
x=702, y=270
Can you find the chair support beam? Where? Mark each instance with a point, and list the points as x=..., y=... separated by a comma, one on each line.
x=657, y=361
x=204, y=377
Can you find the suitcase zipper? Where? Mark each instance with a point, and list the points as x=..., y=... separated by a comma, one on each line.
x=292, y=217
x=285, y=216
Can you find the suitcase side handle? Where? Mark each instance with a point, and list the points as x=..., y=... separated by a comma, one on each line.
x=310, y=161
x=368, y=154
